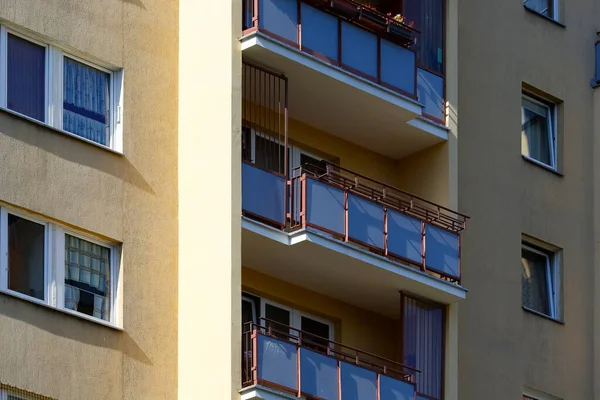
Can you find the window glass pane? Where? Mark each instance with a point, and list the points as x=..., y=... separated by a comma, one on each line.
x=544, y=7
x=26, y=247
x=535, y=138
x=279, y=316
x=246, y=144
x=269, y=154
x=318, y=329
x=428, y=18
x=312, y=164
x=86, y=100
x=87, y=277
x=26, y=86
x=534, y=281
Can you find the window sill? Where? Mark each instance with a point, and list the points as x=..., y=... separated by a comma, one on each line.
x=541, y=164
x=544, y=17
x=38, y=302
x=45, y=125
x=558, y=321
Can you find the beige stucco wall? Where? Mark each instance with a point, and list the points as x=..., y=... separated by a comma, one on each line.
x=353, y=326
x=130, y=199
x=502, y=347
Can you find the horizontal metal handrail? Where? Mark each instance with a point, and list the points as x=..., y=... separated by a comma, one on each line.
x=398, y=199
x=330, y=348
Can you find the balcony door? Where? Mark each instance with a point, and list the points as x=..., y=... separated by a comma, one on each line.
x=267, y=152
x=287, y=322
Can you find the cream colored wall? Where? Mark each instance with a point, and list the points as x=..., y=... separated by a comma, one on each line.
x=209, y=340
x=502, y=347
x=353, y=327
x=130, y=199
x=426, y=173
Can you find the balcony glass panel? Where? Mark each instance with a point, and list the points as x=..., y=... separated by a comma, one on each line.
x=277, y=362
x=404, y=236
x=393, y=389
x=325, y=206
x=280, y=17
x=358, y=383
x=430, y=91
x=397, y=66
x=262, y=193
x=319, y=374
x=442, y=250
x=319, y=32
x=365, y=221
x=359, y=49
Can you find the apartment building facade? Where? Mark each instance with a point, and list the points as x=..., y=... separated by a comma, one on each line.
x=88, y=203
x=270, y=199
x=530, y=331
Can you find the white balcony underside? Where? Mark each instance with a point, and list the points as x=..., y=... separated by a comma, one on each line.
x=350, y=106
x=339, y=270
x=263, y=393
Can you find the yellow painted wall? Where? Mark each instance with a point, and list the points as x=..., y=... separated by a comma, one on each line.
x=209, y=304
x=354, y=326
x=130, y=198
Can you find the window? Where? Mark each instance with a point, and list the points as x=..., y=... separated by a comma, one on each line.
x=267, y=152
x=87, y=277
x=44, y=83
x=26, y=76
x=539, y=280
x=547, y=8
x=12, y=393
x=26, y=257
x=57, y=266
x=538, y=131
x=280, y=317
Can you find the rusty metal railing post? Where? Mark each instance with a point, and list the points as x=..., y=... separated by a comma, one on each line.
x=255, y=14
x=255, y=356
x=423, y=247
x=304, y=210
x=339, y=377
x=298, y=366
x=346, y=221
x=385, y=231
x=459, y=272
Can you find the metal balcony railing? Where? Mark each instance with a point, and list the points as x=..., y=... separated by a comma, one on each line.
x=357, y=209
x=344, y=33
x=306, y=365
x=354, y=37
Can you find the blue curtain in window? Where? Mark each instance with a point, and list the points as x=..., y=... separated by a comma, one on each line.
x=85, y=106
x=26, y=66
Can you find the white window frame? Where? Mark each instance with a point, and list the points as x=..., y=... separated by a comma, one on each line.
x=552, y=278
x=552, y=134
x=295, y=151
x=54, y=266
x=295, y=317
x=54, y=89
x=4, y=255
x=4, y=393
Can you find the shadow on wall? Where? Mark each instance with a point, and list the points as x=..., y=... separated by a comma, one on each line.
x=135, y=3
x=71, y=327
x=72, y=149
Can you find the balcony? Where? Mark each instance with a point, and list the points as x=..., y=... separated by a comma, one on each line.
x=333, y=230
x=359, y=59
x=355, y=209
x=282, y=362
